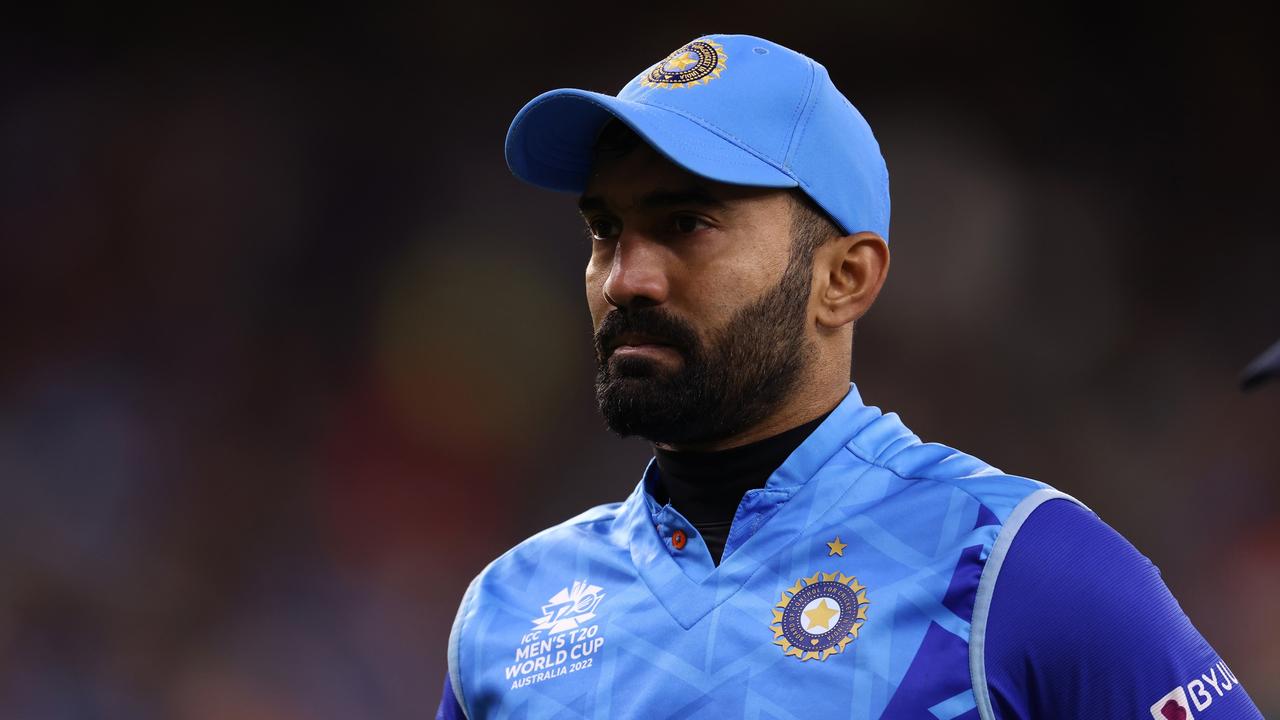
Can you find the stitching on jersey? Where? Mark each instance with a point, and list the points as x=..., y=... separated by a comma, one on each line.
x=860, y=453
x=978, y=620
x=455, y=678
x=986, y=591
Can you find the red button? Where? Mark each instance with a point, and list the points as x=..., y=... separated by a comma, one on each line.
x=678, y=539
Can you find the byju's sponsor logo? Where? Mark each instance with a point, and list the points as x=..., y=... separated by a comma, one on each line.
x=1172, y=707
x=1199, y=693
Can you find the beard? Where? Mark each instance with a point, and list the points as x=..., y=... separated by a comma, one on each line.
x=734, y=381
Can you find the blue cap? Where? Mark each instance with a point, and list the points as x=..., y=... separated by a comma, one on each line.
x=733, y=108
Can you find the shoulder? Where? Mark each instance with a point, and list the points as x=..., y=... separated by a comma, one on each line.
x=878, y=447
x=1075, y=610
x=598, y=527
x=505, y=579
x=1064, y=576
x=912, y=461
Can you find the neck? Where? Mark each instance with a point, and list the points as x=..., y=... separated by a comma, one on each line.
x=799, y=409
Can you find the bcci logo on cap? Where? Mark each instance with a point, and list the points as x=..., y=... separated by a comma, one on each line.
x=697, y=63
x=569, y=608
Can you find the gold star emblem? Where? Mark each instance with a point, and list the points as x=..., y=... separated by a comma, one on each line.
x=837, y=547
x=821, y=615
x=679, y=63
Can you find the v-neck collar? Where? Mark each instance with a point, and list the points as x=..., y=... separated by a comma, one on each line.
x=684, y=579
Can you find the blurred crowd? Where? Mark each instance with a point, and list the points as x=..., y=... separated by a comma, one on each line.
x=287, y=355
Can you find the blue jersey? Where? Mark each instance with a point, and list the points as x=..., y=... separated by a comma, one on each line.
x=874, y=576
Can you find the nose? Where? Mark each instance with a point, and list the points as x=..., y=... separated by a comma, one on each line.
x=637, y=274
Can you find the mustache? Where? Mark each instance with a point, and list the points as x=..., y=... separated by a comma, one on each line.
x=653, y=322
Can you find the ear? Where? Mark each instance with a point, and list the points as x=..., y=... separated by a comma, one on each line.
x=848, y=273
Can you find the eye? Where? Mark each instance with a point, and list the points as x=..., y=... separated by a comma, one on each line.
x=687, y=224
x=602, y=228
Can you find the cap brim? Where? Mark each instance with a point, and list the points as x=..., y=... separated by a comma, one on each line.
x=549, y=143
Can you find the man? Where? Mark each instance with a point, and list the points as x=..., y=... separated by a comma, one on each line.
x=790, y=552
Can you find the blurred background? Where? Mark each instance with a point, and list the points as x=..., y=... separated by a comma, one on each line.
x=287, y=355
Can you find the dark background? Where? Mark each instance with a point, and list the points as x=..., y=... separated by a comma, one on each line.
x=287, y=355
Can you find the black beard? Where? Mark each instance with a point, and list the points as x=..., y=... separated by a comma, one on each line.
x=734, y=382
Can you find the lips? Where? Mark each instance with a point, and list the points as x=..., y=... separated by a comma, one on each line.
x=645, y=334
x=635, y=340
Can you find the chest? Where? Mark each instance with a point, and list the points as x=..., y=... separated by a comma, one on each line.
x=877, y=631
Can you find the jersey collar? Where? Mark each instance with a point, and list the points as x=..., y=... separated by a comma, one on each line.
x=684, y=579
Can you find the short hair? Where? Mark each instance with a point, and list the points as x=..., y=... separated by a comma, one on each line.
x=811, y=226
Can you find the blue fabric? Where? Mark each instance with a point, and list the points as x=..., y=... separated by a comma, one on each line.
x=756, y=113
x=1081, y=625
x=604, y=617
x=449, y=709
x=1119, y=619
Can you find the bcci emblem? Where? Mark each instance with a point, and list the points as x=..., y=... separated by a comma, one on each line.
x=818, y=616
x=697, y=63
x=569, y=608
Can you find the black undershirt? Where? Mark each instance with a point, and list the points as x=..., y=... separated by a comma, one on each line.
x=706, y=487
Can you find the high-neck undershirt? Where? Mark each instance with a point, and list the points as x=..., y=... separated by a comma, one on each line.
x=706, y=487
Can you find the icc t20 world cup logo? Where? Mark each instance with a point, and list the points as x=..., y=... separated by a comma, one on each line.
x=569, y=608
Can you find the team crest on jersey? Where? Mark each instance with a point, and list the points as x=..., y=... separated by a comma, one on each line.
x=697, y=63
x=572, y=606
x=819, y=615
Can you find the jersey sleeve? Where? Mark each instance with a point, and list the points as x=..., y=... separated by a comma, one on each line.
x=449, y=708
x=1082, y=626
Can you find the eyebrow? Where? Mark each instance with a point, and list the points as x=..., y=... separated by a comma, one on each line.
x=694, y=195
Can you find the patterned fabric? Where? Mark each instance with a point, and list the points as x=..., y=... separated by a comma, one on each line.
x=851, y=584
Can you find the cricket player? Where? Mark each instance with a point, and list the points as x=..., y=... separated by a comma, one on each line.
x=790, y=552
